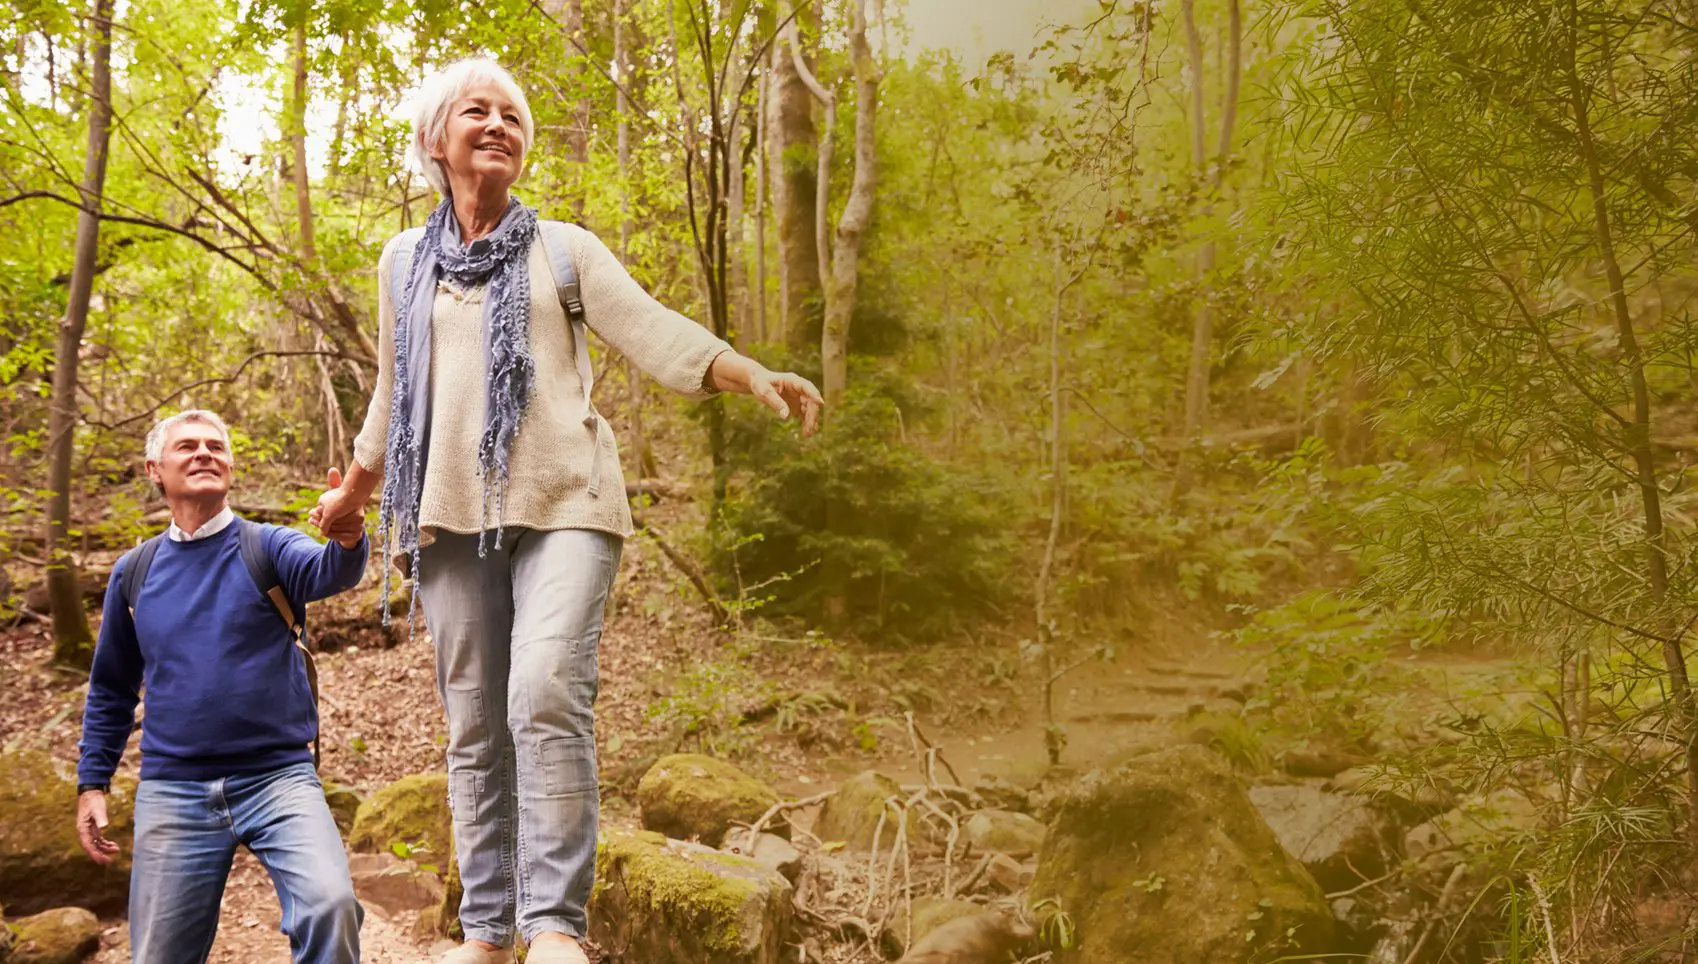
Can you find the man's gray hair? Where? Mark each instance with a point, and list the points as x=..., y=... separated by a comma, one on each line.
x=156, y=435
x=436, y=97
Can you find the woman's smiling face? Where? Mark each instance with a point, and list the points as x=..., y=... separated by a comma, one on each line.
x=483, y=137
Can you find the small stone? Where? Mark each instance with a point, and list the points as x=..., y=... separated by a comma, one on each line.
x=770, y=850
x=1004, y=831
x=1006, y=874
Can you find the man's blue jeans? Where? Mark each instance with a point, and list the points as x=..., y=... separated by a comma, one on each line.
x=187, y=832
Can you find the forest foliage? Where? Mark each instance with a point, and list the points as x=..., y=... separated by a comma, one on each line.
x=1368, y=323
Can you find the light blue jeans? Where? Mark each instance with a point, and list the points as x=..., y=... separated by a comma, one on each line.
x=516, y=636
x=187, y=832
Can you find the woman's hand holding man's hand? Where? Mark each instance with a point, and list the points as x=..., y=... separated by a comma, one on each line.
x=339, y=515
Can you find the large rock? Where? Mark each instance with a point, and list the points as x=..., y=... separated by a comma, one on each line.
x=412, y=812
x=392, y=886
x=1004, y=831
x=689, y=795
x=851, y=815
x=66, y=935
x=1341, y=840
x=930, y=913
x=666, y=901
x=1164, y=859
x=41, y=863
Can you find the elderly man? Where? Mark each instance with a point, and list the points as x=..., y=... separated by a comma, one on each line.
x=228, y=742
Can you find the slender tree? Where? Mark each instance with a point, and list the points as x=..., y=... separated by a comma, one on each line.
x=73, y=645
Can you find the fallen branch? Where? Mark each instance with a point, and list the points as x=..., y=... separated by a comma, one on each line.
x=914, y=737
x=974, y=877
x=688, y=568
x=782, y=807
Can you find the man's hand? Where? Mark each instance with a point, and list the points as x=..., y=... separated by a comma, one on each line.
x=338, y=515
x=91, y=827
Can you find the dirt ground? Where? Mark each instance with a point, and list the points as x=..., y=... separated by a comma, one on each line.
x=382, y=718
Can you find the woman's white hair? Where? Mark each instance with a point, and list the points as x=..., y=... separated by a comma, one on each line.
x=156, y=436
x=436, y=97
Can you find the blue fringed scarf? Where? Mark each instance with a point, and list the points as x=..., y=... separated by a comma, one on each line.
x=500, y=260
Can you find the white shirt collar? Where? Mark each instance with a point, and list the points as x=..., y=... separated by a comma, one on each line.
x=214, y=526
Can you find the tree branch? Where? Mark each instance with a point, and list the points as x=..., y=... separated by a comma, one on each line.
x=218, y=380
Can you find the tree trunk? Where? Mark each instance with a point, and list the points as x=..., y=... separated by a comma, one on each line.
x=72, y=642
x=857, y=214
x=1055, y=738
x=737, y=293
x=570, y=15
x=1638, y=441
x=633, y=375
x=822, y=172
x=578, y=132
x=794, y=189
x=758, y=283
x=336, y=427
x=298, y=141
x=1202, y=326
x=344, y=98
x=845, y=269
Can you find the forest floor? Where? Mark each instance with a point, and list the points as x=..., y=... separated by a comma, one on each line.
x=663, y=670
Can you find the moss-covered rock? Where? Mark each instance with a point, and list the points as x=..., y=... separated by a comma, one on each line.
x=689, y=795
x=66, y=935
x=1340, y=839
x=41, y=863
x=344, y=803
x=443, y=920
x=670, y=902
x=413, y=812
x=851, y=815
x=1004, y=831
x=930, y=913
x=1164, y=859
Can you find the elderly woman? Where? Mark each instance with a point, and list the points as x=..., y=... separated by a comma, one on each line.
x=503, y=487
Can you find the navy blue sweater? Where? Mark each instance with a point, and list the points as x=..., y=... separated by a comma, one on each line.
x=227, y=691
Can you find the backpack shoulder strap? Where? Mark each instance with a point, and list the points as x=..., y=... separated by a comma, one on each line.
x=402, y=264
x=250, y=537
x=135, y=564
x=557, y=244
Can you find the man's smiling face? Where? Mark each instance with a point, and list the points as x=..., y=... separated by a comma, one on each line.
x=196, y=462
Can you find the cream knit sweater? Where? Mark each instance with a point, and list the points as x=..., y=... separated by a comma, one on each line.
x=554, y=451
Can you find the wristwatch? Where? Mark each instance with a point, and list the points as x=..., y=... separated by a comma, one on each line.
x=83, y=788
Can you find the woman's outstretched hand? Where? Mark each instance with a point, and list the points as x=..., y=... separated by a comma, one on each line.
x=786, y=393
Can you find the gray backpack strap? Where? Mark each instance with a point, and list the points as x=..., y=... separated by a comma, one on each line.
x=405, y=244
x=557, y=244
